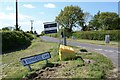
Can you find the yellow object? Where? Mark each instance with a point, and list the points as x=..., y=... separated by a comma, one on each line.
x=66, y=52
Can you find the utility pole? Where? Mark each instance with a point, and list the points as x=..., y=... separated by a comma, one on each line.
x=17, y=15
x=31, y=25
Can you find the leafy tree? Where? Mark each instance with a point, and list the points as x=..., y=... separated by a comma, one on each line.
x=87, y=17
x=6, y=28
x=9, y=28
x=105, y=21
x=70, y=17
x=94, y=23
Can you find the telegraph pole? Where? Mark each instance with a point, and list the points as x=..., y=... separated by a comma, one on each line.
x=31, y=25
x=17, y=15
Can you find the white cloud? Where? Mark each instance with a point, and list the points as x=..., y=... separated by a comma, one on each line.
x=12, y=16
x=49, y=5
x=9, y=8
x=22, y=17
x=28, y=6
x=42, y=13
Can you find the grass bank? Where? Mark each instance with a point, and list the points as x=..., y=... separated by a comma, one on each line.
x=97, y=68
x=11, y=66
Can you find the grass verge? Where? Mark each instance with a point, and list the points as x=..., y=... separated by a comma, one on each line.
x=97, y=42
x=11, y=65
x=97, y=68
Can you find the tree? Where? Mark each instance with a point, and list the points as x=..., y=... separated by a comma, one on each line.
x=9, y=28
x=94, y=23
x=70, y=17
x=6, y=28
x=87, y=17
x=105, y=21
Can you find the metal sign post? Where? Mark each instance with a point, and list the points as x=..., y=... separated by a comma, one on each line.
x=64, y=37
x=29, y=67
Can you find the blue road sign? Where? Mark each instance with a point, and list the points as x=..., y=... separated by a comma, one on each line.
x=33, y=59
x=50, y=27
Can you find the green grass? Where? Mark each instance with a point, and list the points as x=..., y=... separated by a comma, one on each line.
x=98, y=69
x=11, y=65
x=12, y=68
x=97, y=42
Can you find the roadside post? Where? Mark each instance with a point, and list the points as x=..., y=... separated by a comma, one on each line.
x=26, y=61
x=59, y=34
x=107, y=38
x=51, y=27
x=64, y=42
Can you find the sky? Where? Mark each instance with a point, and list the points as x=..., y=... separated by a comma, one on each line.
x=42, y=12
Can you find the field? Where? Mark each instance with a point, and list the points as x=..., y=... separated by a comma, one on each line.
x=95, y=65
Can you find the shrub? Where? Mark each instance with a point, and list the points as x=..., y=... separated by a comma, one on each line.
x=97, y=35
x=83, y=50
x=15, y=39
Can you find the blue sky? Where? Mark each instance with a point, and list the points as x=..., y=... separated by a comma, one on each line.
x=42, y=12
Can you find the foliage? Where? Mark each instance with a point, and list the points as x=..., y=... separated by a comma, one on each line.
x=83, y=50
x=105, y=21
x=8, y=28
x=15, y=39
x=70, y=17
x=87, y=17
x=97, y=35
x=42, y=33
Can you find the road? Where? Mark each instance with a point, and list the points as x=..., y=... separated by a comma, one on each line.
x=107, y=51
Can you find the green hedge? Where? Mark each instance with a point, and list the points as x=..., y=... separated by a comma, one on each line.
x=55, y=35
x=97, y=35
x=15, y=39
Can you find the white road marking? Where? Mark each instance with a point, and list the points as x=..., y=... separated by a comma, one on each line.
x=98, y=49
x=108, y=50
x=118, y=51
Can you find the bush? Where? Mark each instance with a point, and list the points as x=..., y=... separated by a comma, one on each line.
x=14, y=39
x=83, y=50
x=97, y=35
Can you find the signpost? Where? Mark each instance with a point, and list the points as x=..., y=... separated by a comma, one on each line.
x=50, y=27
x=36, y=58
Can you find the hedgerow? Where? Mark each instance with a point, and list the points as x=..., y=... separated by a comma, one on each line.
x=15, y=39
x=97, y=35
